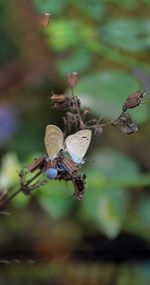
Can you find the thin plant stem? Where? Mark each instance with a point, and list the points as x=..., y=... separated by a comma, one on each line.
x=8, y=199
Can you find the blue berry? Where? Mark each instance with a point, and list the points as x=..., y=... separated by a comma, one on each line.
x=51, y=173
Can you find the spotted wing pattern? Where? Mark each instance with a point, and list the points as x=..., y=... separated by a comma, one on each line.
x=78, y=144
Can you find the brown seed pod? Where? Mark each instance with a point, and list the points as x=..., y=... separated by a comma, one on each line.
x=69, y=165
x=43, y=19
x=63, y=101
x=58, y=98
x=50, y=164
x=37, y=163
x=133, y=100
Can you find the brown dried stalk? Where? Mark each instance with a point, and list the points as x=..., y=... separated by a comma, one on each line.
x=25, y=186
x=74, y=120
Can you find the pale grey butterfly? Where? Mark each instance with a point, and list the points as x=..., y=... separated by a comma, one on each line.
x=78, y=144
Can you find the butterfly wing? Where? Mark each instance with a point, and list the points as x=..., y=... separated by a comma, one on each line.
x=77, y=144
x=53, y=140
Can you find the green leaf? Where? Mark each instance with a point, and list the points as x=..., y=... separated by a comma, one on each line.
x=55, y=198
x=10, y=167
x=138, y=219
x=146, y=2
x=114, y=169
x=50, y=6
x=143, y=213
x=105, y=202
x=113, y=164
x=105, y=208
x=127, y=34
x=79, y=61
x=21, y=200
x=107, y=91
x=129, y=4
x=64, y=34
x=93, y=8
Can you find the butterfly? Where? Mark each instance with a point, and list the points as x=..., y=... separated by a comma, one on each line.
x=76, y=145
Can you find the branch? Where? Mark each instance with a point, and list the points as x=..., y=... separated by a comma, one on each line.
x=21, y=189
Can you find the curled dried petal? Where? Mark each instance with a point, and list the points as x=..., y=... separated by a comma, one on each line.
x=126, y=124
x=63, y=101
x=37, y=163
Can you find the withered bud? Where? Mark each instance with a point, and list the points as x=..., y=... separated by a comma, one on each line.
x=36, y=164
x=58, y=100
x=98, y=129
x=44, y=20
x=72, y=122
x=50, y=164
x=70, y=166
x=65, y=102
x=133, y=100
x=79, y=186
x=85, y=113
x=72, y=79
x=126, y=124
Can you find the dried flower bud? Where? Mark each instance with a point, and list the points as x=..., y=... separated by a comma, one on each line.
x=98, y=129
x=72, y=79
x=133, y=100
x=61, y=98
x=69, y=165
x=51, y=164
x=126, y=124
x=79, y=186
x=129, y=130
x=44, y=20
x=63, y=101
x=37, y=163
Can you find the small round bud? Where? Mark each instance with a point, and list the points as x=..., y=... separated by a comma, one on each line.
x=51, y=173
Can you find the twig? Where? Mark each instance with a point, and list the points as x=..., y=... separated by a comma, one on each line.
x=8, y=199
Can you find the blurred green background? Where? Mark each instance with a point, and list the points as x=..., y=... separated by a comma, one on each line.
x=105, y=238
